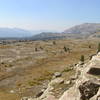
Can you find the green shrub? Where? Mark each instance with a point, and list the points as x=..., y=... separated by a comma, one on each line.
x=98, y=48
x=89, y=46
x=65, y=49
x=54, y=43
x=82, y=58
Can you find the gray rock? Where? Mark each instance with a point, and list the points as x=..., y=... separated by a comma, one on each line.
x=24, y=98
x=27, y=98
x=12, y=91
x=67, y=82
x=56, y=81
x=87, y=86
x=57, y=74
x=81, y=63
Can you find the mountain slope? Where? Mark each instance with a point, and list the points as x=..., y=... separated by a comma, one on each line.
x=47, y=35
x=86, y=28
x=79, y=31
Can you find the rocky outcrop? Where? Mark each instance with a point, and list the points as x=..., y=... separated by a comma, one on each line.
x=47, y=95
x=87, y=85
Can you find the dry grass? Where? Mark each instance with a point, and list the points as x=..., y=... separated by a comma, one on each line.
x=33, y=67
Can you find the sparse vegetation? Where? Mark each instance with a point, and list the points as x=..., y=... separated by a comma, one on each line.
x=32, y=83
x=36, y=49
x=98, y=48
x=82, y=58
x=6, y=64
x=65, y=49
x=54, y=43
x=90, y=46
x=41, y=48
x=67, y=69
x=34, y=68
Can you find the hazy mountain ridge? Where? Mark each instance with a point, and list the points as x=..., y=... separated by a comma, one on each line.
x=79, y=31
x=14, y=32
x=86, y=28
x=47, y=35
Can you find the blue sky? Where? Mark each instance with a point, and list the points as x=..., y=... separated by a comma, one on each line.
x=48, y=14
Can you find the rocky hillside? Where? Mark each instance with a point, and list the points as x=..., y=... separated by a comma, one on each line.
x=47, y=35
x=86, y=28
x=85, y=85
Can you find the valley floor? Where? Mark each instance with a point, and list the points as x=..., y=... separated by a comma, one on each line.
x=27, y=67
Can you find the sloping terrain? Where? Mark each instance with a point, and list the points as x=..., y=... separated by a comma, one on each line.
x=27, y=67
x=84, y=85
x=87, y=85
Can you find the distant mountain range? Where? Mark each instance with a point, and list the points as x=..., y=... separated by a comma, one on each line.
x=79, y=31
x=85, y=30
x=14, y=32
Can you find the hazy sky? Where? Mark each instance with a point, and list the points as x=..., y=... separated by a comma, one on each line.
x=48, y=14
